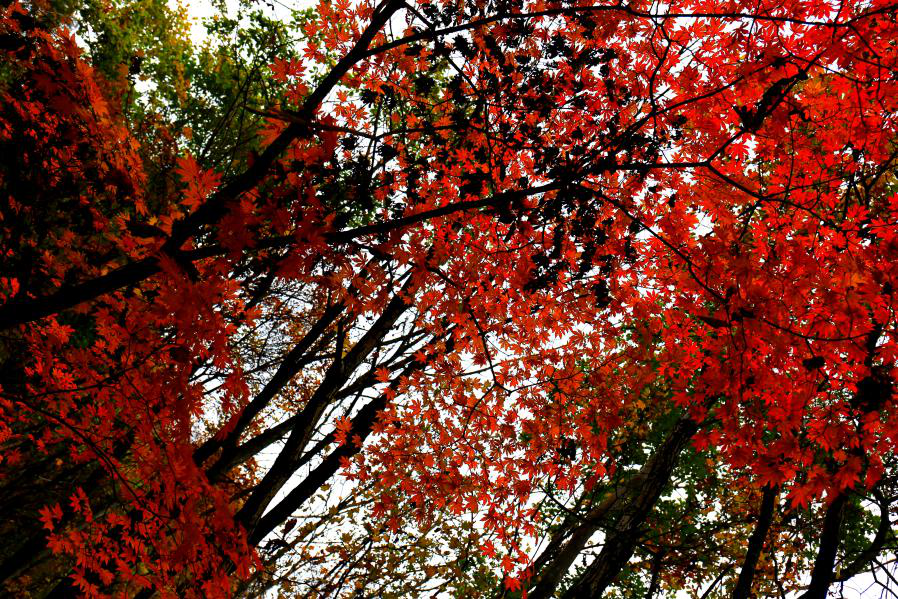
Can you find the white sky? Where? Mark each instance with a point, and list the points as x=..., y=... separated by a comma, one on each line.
x=203, y=9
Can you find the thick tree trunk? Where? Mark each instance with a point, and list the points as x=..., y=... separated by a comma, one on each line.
x=823, y=573
x=623, y=515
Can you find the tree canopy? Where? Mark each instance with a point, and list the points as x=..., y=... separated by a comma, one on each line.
x=437, y=298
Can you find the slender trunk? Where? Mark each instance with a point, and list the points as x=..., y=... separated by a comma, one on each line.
x=362, y=425
x=756, y=543
x=883, y=533
x=336, y=376
x=655, y=581
x=289, y=368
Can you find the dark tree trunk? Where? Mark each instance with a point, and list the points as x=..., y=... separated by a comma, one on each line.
x=823, y=573
x=756, y=543
x=623, y=515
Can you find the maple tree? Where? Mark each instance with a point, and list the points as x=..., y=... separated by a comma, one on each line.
x=483, y=298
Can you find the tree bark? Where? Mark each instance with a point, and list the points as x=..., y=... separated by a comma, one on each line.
x=626, y=510
x=336, y=376
x=289, y=368
x=822, y=575
x=756, y=543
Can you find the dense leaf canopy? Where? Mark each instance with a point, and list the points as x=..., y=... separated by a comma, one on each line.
x=487, y=298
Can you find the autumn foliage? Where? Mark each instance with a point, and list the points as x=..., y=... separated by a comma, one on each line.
x=476, y=298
